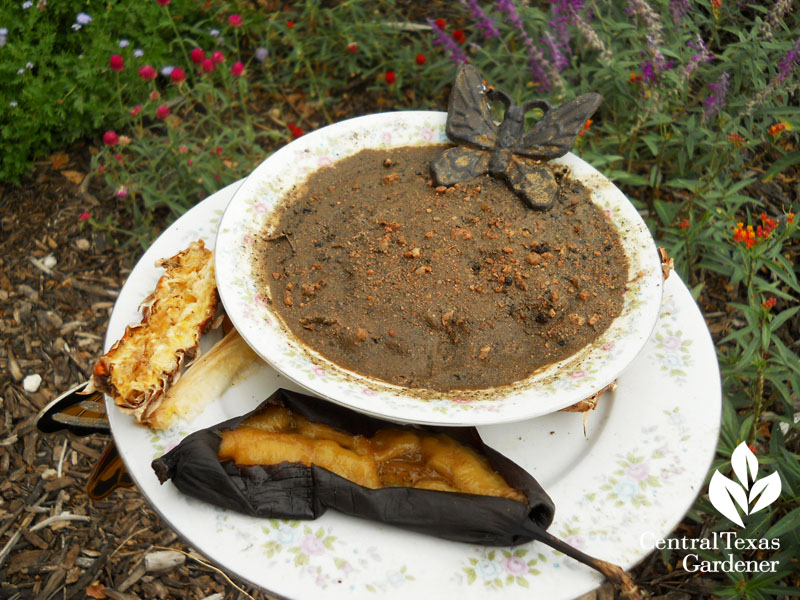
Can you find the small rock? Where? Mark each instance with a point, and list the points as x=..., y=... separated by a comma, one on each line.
x=49, y=261
x=82, y=244
x=49, y=474
x=31, y=383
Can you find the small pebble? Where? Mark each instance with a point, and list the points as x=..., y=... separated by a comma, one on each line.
x=49, y=261
x=82, y=244
x=31, y=383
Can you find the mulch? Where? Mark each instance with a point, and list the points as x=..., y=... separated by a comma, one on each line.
x=59, y=277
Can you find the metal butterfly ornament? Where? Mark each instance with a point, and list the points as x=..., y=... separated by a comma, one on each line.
x=507, y=150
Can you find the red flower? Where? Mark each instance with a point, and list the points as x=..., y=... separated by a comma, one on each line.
x=100, y=169
x=684, y=224
x=178, y=75
x=635, y=78
x=421, y=60
x=390, y=77
x=218, y=151
x=190, y=162
x=147, y=72
x=752, y=448
x=118, y=157
x=198, y=56
x=296, y=131
x=289, y=24
x=218, y=57
x=235, y=20
x=237, y=69
x=458, y=35
x=110, y=138
x=790, y=217
x=769, y=303
x=163, y=2
x=441, y=23
x=207, y=65
x=116, y=62
x=85, y=216
x=352, y=47
x=162, y=112
x=136, y=110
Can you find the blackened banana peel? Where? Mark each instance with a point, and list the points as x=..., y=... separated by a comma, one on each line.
x=296, y=491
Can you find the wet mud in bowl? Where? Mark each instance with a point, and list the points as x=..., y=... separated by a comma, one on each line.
x=465, y=287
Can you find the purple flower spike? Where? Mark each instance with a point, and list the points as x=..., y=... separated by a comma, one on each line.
x=719, y=92
x=483, y=21
x=449, y=43
x=789, y=62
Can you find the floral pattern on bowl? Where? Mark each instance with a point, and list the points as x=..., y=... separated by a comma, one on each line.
x=552, y=388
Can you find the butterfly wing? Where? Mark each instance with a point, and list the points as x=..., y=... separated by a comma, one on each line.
x=109, y=473
x=459, y=164
x=535, y=184
x=468, y=116
x=74, y=411
x=555, y=133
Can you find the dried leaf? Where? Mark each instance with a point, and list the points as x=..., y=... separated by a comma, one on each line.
x=95, y=590
x=59, y=160
x=73, y=176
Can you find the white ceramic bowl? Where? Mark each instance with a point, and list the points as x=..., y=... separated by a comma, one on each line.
x=552, y=388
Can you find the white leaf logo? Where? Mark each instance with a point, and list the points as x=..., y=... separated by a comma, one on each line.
x=722, y=491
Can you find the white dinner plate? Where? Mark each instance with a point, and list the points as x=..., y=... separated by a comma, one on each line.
x=629, y=480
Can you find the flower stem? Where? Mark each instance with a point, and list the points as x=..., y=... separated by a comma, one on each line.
x=178, y=35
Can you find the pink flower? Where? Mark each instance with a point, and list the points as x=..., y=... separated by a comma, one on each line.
x=352, y=47
x=147, y=72
x=116, y=62
x=207, y=65
x=183, y=149
x=85, y=216
x=178, y=75
x=671, y=343
x=162, y=112
x=427, y=134
x=189, y=162
x=218, y=151
x=154, y=95
x=136, y=110
x=110, y=138
x=312, y=545
x=578, y=375
x=218, y=57
x=319, y=372
x=163, y=2
x=637, y=471
x=235, y=20
x=100, y=169
x=515, y=565
x=122, y=192
x=575, y=541
x=118, y=157
x=198, y=56
x=237, y=69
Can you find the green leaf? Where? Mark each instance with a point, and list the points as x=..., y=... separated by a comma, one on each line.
x=779, y=165
x=789, y=522
x=471, y=576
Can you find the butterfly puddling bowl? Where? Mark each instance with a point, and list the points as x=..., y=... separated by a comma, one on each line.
x=551, y=388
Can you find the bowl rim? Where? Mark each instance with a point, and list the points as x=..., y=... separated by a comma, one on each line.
x=551, y=388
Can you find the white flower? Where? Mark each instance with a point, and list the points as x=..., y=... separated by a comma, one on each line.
x=83, y=19
x=261, y=54
x=27, y=5
x=21, y=71
x=167, y=71
x=138, y=53
x=124, y=43
x=3, y=31
x=29, y=65
x=76, y=26
x=13, y=103
x=214, y=32
x=2, y=41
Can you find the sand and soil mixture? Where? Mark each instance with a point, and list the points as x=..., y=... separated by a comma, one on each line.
x=463, y=287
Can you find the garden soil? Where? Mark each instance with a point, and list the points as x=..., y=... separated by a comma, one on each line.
x=59, y=278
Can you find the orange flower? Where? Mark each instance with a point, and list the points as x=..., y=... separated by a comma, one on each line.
x=790, y=218
x=716, y=4
x=684, y=224
x=736, y=139
x=769, y=303
x=635, y=78
x=776, y=128
x=586, y=127
x=744, y=235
